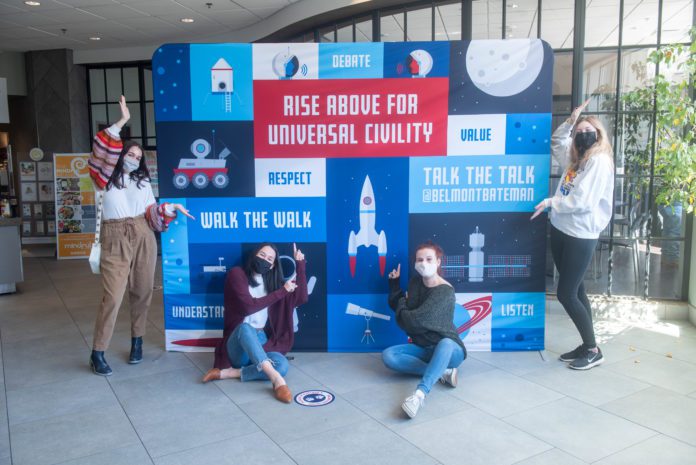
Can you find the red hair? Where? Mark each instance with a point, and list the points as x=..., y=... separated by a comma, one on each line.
x=439, y=253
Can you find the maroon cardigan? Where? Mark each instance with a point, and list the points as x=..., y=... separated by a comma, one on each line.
x=239, y=304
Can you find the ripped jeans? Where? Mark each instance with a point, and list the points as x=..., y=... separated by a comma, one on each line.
x=245, y=351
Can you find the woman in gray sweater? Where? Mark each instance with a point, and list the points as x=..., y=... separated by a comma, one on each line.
x=426, y=314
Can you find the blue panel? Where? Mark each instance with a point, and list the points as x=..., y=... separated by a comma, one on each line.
x=171, y=83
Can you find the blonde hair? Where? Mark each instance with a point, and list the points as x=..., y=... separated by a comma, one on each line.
x=601, y=147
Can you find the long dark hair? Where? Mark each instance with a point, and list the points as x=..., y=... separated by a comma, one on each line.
x=139, y=175
x=273, y=280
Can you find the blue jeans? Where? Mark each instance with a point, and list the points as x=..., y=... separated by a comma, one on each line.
x=429, y=362
x=245, y=351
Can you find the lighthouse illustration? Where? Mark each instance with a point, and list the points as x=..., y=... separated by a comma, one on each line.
x=367, y=234
x=221, y=76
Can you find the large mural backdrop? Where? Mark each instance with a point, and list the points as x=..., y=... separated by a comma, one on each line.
x=357, y=153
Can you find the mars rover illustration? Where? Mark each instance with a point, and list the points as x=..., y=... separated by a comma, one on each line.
x=200, y=171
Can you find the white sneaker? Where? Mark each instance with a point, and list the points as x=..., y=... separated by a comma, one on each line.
x=413, y=403
x=449, y=377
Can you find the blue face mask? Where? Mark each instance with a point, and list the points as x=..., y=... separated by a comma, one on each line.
x=130, y=165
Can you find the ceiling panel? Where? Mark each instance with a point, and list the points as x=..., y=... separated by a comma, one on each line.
x=114, y=11
x=21, y=6
x=200, y=21
x=251, y=4
x=22, y=45
x=235, y=19
x=124, y=22
x=20, y=33
x=264, y=12
x=6, y=8
x=78, y=3
x=216, y=5
x=26, y=19
x=145, y=22
x=71, y=15
x=162, y=7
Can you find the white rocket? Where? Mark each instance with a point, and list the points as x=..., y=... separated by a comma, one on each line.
x=367, y=234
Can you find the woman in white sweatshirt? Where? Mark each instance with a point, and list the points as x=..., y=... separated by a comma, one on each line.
x=579, y=211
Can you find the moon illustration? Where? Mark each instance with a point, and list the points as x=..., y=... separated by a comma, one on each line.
x=503, y=68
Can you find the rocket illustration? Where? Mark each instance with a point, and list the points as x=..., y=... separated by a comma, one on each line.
x=367, y=235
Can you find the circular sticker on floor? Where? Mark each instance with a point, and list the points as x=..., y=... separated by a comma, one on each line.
x=314, y=398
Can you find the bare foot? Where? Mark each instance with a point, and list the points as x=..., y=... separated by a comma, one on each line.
x=230, y=373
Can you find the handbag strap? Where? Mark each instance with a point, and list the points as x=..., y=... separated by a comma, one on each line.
x=99, y=194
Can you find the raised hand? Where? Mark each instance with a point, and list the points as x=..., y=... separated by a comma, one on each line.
x=125, y=112
x=576, y=113
x=299, y=256
x=396, y=272
x=290, y=286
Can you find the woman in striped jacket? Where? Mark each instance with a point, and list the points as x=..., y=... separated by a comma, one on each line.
x=128, y=245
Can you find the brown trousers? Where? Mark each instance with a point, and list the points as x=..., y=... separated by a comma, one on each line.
x=128, y=260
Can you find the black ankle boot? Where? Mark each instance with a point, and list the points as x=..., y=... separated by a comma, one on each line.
x=98, y=364
x=136, y=353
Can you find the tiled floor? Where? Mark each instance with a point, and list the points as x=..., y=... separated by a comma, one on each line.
x=509, y=408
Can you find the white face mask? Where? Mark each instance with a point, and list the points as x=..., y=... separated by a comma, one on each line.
x=130, y=165
x=427, y=270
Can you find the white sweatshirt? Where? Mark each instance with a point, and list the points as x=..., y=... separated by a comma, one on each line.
x=581, y=206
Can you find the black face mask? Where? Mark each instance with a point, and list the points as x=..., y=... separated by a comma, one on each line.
x=585, y=140
x=261, y=266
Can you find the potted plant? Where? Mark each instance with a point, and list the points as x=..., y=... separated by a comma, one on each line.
x=671, y=134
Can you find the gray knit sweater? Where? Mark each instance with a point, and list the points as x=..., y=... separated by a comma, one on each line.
x=427, y=315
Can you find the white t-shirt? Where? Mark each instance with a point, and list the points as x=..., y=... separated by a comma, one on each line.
x=258, y=319
x=128, y=202
x=581, y=206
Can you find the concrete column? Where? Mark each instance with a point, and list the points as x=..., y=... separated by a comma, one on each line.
x=58, y=95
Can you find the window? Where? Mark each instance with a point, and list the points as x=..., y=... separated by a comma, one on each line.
x=134, y=81
x=327, y=34
x=344, y=33
x=487, y=20
x=419, y=25
x=557, y=22
x=363, y=30
x=677, y=17
x=599, y=80
x=640, y=22
x=448, y=22
x=601, y=23
x=392, y=28
x=521, y=18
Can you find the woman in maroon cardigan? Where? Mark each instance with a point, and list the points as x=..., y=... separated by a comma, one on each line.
x=258, y=323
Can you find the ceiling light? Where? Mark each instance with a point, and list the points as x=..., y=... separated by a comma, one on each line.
x=32, y=3
x=513, y=5
x=186, y=20
x=95, y=38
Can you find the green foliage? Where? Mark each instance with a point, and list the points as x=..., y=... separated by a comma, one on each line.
x=675, y=123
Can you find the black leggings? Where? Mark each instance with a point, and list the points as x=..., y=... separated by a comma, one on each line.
x=572, y=256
